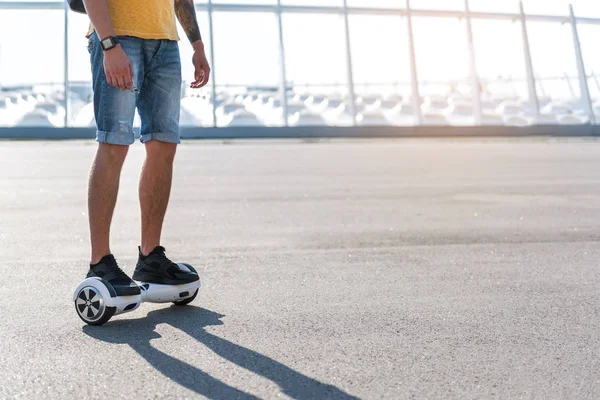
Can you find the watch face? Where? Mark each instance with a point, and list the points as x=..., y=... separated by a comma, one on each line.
x=107, y=43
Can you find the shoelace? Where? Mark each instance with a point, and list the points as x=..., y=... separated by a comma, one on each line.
x=159, y=253
x=115, y=270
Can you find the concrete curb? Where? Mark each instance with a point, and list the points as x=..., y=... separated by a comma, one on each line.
x=260, y=132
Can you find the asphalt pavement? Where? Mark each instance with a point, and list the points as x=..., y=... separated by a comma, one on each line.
x=372, y=269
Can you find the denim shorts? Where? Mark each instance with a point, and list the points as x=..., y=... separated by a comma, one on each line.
x=156, y=92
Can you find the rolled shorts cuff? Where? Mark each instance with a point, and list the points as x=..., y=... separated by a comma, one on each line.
x=114, y=138
x=161, y=137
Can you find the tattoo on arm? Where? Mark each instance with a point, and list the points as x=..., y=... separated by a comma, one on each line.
x=186, y=14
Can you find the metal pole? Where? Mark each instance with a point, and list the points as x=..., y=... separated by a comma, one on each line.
x=349, y=65
x=66, y=70
x=213, y=98
x=533, y=97
x=283, y=83
x=477, y=107
x=416, y=96
x=583, y=83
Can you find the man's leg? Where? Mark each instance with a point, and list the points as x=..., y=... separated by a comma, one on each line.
x=154, y=191
x=159, y=108
x=153, y=265
x=102, y=195
x=114, y=110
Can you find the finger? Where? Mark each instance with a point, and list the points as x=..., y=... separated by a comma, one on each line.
x=197, y=77
x=204, y=80
x=206, y=76
x=110, y=80
x=116, y=82
x=121, y=82
x=125, y=79
x=113, y=79
x=130, y=77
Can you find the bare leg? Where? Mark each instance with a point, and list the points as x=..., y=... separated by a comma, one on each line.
x=155, y=189
x=103, y=188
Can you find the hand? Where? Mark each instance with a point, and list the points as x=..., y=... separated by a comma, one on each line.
x=118, y=69
x=201, y=67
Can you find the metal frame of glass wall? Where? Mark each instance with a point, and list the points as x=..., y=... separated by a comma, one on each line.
x=407, y=12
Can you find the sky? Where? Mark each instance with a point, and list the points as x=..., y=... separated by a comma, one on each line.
x=31, y=48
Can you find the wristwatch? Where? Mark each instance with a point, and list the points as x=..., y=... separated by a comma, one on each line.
x=109, y=42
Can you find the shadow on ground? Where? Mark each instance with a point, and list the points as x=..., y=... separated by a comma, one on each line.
x=192, y=320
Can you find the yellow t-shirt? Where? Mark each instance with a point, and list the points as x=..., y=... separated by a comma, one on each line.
x=147, y=19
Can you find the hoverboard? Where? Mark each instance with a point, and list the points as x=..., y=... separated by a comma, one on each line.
x=96, y=300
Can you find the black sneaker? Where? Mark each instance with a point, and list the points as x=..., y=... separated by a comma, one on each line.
x=109, y=270
x=157, y=268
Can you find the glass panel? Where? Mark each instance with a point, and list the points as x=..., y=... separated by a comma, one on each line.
x=586, y=8
x=443, y=70
x=501, y=69
x=81, y=108
x=248, y=72
x=555, y=68
x=316, y=69
x=588, y=35
x=35, y=95
x=32, y=88
x=381, y=70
